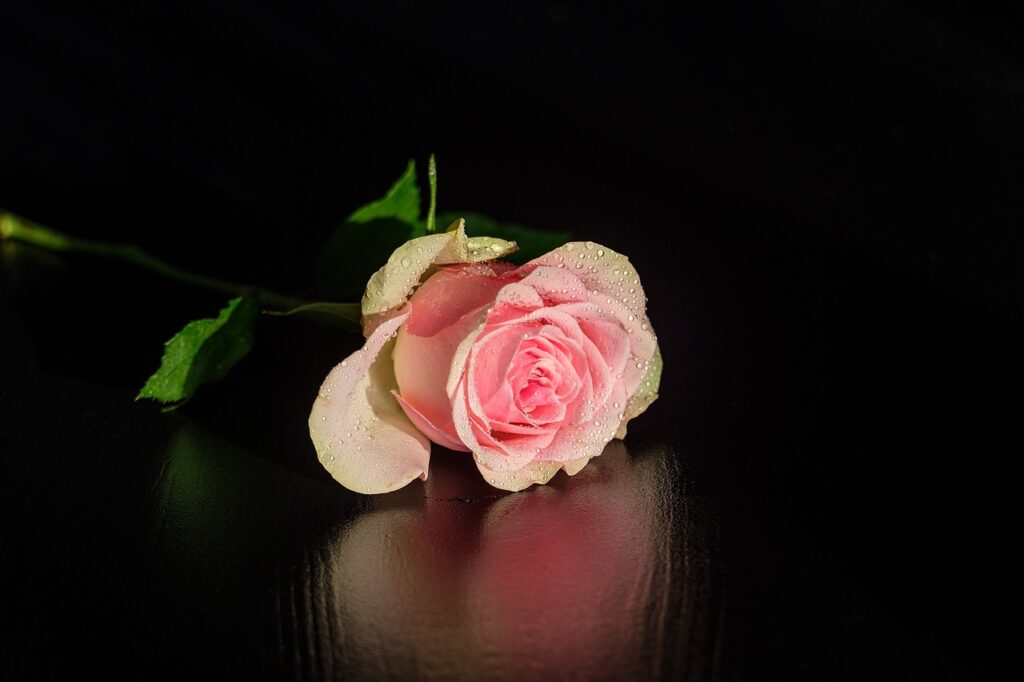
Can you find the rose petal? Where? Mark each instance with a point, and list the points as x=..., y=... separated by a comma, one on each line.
x=360, y=432
x=646, y=394
x=614, y=286
x=390, y=287
x=610, y=339
x=452, y=292
x=588, y=439
x=479, y=440
x=575, y=466
x=566, y=318
x=612, y=275
x=422, y=365
x=428, y=428
x=555, y=284
x=519, y=479
x=537, y=472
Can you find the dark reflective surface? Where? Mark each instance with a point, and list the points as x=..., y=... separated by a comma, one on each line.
x=582, y=579
x=576, y=581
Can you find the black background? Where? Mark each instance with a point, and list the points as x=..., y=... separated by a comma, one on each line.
x=824, y=200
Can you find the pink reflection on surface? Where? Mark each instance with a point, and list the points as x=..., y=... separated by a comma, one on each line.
x=568, y=581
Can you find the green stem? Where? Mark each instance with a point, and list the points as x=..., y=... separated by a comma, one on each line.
x=432, y=180
x=18, y=229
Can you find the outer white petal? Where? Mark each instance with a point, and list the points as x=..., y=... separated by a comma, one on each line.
x=536, y=472
x=361, y=434
x=520, y=479
x=390, y=287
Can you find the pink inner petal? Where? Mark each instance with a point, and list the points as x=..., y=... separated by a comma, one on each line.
x=439, y=434
x=451, y=293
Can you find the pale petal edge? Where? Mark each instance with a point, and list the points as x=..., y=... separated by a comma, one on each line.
x=361, y=435
x=391, y=286
x=536, y=472
x=644, y=395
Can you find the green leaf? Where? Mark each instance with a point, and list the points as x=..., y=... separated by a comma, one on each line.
x=532, y=242
x=402, y=201
x=202, y=352
x=345, y=315
x=363, y=243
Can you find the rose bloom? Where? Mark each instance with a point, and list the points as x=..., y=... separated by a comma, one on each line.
x=531, y=369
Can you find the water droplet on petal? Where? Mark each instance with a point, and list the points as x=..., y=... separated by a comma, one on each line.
x=406, y=262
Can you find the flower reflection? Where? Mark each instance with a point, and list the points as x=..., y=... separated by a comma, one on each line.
x=574, y=580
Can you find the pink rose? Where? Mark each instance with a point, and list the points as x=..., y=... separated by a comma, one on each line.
x=532, y=369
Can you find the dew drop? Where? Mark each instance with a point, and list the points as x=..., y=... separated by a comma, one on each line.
x=600, y=253
x=406, y=262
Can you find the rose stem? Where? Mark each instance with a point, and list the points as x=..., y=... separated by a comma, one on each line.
x=18, y=229
x=432, y=180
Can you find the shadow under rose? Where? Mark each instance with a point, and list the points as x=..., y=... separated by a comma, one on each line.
x=576, y=580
